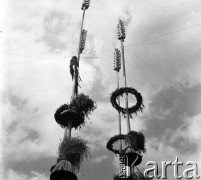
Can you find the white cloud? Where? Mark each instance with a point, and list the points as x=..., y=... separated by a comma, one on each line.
x=14, y=175
x=38, y=176
x=20, y=176
x=194, y=128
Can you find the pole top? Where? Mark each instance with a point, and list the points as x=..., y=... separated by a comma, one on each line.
x=85, y=4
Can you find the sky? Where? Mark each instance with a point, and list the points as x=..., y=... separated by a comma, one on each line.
x=163, y=63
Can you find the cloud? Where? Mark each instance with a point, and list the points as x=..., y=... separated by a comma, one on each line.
x=20, y=176
x=55, y=23
x=168, y=114
x=101, y=158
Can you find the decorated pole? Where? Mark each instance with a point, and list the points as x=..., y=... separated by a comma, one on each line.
x=121, y=37
x=131, y=145
x=75, y=63
x=72, y=150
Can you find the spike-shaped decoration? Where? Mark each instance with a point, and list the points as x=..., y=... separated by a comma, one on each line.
x=117, y=60
x=121, y=30
x=85, y=4
x=83, y=40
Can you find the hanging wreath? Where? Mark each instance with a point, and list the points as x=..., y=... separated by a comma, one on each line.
x=65, y=113
x=77, y=111
x=119, y=92
x=134, y=141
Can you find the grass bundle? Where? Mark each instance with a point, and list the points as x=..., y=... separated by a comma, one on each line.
x=74, y=150
x=83, y=104
x=136, y=140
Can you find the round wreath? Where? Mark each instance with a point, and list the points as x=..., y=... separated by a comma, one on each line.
x=119, y=92
x=112, y=140
x=134, y=141
x=66, y=107
x=80, y=108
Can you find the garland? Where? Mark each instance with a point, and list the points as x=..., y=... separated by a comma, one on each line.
x=82, y=105
x=119, y=92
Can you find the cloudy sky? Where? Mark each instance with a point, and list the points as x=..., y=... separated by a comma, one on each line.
x=163, y=62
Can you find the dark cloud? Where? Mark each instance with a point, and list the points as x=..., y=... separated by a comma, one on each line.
x=41, y=165
x=169, y=108
x=102, y=170
x=92, y=169
x=184, y=145
x=168, y=112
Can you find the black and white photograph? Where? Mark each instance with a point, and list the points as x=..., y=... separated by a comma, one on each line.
x=100, y=89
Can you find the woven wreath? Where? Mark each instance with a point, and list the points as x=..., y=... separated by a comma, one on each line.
x=119, y=92
x=134, y=141
x=78, y=110
x=112, y=140
x=66, y=107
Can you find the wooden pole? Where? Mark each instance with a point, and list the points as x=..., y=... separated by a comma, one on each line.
x=78, y=57
x=124, y=74
x=119, y=114
x=74, y=93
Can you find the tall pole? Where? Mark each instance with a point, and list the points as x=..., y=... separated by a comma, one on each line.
x=65, y=168
x=81, y=45
x=125, y=83
x=78, y=57
x=117, y=67
x=119, y=114
x=131, y=154
x=121, y=36
x=76, y=73
x=119, y=104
